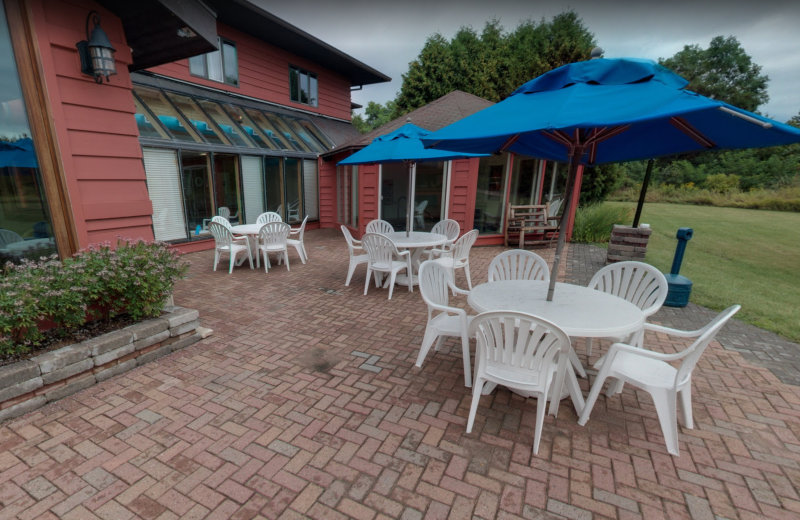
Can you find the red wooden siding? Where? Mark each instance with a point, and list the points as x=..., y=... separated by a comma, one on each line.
x=327, y=191
x=369, y=192
x=264, y=74
x=463, y=188
x=97, y=134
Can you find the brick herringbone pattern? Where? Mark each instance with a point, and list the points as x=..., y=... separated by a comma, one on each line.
x=274, y=416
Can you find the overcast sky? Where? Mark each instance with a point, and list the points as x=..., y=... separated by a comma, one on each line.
x=388, y=35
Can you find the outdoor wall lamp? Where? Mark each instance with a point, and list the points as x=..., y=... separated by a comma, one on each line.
x=97, y=54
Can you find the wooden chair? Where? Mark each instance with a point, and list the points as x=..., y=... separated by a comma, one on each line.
x=534, y=220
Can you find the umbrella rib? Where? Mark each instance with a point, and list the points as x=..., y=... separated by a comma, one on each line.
x=685, y=127
x=510, y=141
x=559, y=138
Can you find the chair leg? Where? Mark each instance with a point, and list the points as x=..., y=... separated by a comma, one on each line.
x=588, y=347
x=350, y=271
x=465, y=355
x=476, y=398
x=216, y=259
x=427, y=341
x=286, y=257
x=614, y=387
x=369, y=277
x=305, y=255
x=250, y=255
x=258, y=257
x=593, y=395
x=466, y=272
x=686, y=405
x=233, y=261
x=666, y=406
x=573, y=358
x=391, y=283
x=300, y=253
x=439, y=343
x=541, y=408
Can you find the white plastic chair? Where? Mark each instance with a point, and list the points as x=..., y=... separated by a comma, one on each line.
x=272, y=238
x=294, y=211
x=435, y=286
x=297, y=243
x=641, y=284
x=355, y=260
x=9, y=237
x=458, y=256
x=652, y=372
x=382, y=253
x=224, y=212
x=419, y=213
x=225, y=242
x=379, y=227
x=522, y=352
x=555, y=206
x=448, y=228
x=269, y=216
x=518, y=264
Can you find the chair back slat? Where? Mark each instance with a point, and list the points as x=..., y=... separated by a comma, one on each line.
x=224, y=212
x=379, y=248
x=274, y=233
x=221, y=220
x=221, y=233
x=269, y=216
x=433, y=284
x=641, y=284
x=463, y=245
x=349, y=239
x=379, y=227
x=518, y=264
x=699, y=346
x=448, y=228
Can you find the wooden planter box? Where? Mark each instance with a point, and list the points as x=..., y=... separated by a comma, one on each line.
x=51, y=376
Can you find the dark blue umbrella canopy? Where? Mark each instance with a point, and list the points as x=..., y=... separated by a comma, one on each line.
x=619, y=109
x=402, y=145
x=18, y=154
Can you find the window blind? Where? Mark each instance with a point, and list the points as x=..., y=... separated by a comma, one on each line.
x=164, y=186
x=311, y=188
x=253, y=184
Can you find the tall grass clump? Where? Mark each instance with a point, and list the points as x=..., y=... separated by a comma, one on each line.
x=593, y=223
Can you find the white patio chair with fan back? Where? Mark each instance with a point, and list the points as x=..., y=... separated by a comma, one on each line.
x=269, y=216
x=294, y=211
x=518, y=264
x=298, y=243
x=457, y=257
x=379, y=227
x=641, y=284
x=653, y=373
x=448, y=228
x=521, y=352
x=225, y=242
x=353, y=245
x=419, y=214
x=382, y=253
x=435, y=287
x=9, y=237
x=272, y=238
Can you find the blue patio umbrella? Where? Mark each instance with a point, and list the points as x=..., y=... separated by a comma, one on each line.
x=18, y=154
x=606, y=111
x=403, y=145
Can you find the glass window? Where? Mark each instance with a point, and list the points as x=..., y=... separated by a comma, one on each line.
x=273, y=184
x=266, y=126
x=148, y=127
x=428, y=195
x=555, y=181
x=25, y=227
x=294, y=190
x=490, y=199
x=228, y=127
x=221, y=65
x=226, y=184
x=250, y=128
x=307, y=137
x=313, y=130
x=394, y=194
x=166, y=113
x=197, y=193
x=286, y=132
x=252, y=187
x=197, y=117
x=347, y=195
x=303, y=87
x=526, y=181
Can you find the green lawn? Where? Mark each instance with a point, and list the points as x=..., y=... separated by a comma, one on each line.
x=749, y=257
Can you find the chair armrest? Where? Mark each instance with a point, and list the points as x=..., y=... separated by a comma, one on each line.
x=457, y=290
x=404, y=253
x=674, y=332
x=621, y=347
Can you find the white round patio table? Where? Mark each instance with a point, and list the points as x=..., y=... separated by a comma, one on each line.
x=579, y=311
x=249, y=230
x=416, y=242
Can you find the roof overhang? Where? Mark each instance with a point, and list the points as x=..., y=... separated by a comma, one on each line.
x=258, y=23
x=152, y=29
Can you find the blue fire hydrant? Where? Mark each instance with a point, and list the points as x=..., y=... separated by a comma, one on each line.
x=680, y=287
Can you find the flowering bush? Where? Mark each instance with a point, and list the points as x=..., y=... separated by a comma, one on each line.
x=98, y=282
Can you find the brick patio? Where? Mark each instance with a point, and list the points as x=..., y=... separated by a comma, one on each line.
x=305, y=403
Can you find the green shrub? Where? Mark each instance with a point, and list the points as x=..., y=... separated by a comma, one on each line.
x=136, y=278
x=786, y=198
x=593, y=223
x=722, y=183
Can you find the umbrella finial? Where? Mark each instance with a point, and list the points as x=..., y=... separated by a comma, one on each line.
x=597, y=52
x=408, y=120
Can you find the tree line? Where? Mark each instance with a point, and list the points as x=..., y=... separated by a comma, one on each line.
x=492, y=63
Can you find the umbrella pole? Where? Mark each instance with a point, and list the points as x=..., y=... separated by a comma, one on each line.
x=412, y=174
x=643, y=193
x=575, y=154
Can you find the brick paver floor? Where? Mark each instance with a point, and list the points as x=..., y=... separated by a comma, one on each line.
x=306, y=403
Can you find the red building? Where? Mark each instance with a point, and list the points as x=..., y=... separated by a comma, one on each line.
x=214, y=103
x=474, y=192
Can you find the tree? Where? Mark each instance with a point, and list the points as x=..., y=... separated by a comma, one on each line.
x=795, y=121
x=723, y=71
x=493, y=63
x=357, y=120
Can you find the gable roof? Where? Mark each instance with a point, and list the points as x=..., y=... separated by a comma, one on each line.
x=435, y=115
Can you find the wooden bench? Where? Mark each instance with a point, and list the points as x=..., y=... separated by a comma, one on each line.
x=532, y=220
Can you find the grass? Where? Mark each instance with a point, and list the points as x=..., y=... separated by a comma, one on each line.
x=782, y=199
x=749, y=257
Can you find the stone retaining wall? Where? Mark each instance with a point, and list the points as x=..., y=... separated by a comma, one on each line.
x=628, y=243
x=27, y=385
